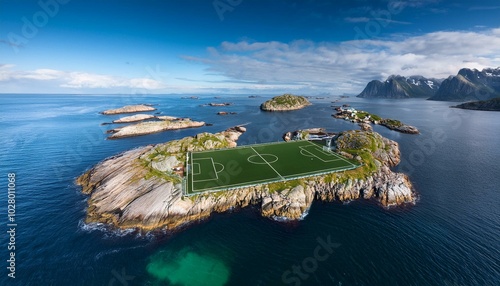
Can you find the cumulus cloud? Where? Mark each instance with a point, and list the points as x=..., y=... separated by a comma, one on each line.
x=76, y=80
x=348, y=66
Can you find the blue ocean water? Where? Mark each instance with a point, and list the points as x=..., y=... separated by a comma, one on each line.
x=450, y=237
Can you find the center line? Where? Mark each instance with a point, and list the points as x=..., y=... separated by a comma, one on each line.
x=268, y=163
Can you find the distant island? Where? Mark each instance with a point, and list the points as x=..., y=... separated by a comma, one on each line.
x=285, y=102
x=365, y=119
x=129, y=109
x=143, y=188
x=485, y=105
x=397, y=87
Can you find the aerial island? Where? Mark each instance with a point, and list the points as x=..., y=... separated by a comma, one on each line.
x=365, y=119
x=145, y=188
x=285, y=102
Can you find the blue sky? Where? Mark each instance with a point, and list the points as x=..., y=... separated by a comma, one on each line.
x=238, y=46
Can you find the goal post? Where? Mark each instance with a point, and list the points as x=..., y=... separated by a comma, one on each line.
x=328, y=144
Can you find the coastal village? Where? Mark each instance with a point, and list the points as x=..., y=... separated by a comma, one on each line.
x=365, y=119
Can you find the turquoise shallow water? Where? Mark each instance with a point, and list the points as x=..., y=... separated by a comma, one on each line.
x=450, y=237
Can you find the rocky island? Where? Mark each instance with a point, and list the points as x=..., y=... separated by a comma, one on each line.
x=285, y=102
x=142, y=189
x=365, y=120
x=485, y=105
x=219, y=104
x=151, y=127
x=129, y=109
x=134, y=118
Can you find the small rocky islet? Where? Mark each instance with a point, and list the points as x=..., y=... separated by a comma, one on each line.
x=148, y=124
x=134, y=118
x=285, y=102
x=151, y=127
x=129, y=109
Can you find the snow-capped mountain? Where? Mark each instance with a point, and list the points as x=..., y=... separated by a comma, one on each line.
x=470, y=84
x=401, y=87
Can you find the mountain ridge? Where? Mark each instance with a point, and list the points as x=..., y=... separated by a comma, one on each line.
x=396, y=87
x=470, y=84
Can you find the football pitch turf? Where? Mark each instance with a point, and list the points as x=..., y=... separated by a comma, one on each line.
x=251, y=165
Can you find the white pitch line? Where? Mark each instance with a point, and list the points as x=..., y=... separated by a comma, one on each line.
x=267, y=163
x=338, y=156
x=324, y=161
x=199, y=168
x=215, y=170
x=192, y=177
x=213, y=166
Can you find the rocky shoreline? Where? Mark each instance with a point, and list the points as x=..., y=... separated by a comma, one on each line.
x=136, y=189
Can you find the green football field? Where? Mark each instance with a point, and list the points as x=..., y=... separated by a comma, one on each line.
x=259, y=164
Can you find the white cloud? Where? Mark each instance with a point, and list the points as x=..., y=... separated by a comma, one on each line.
x=76, y=80
x=41, y=74
x=300, y=66
x=348, y=66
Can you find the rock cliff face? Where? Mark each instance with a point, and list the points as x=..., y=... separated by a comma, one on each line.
x=470, y=84
x=401, y=87
x=127, y=190
x=285, y=102
x=129, y=109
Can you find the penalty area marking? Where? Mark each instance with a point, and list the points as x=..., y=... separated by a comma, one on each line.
x=312, y=155
x=218, y=164
x=306, y=155
x=213, y=166
x=337, y=156
x=199, y=169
